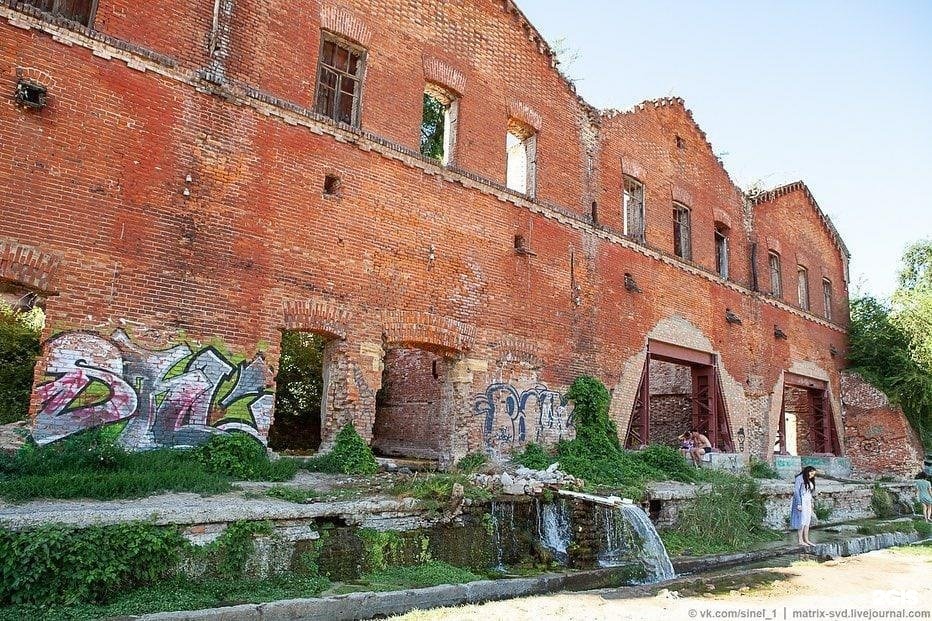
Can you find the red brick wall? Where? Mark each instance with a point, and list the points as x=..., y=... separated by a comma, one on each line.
x=408, y=409
x=191, y=212
x=880, y=439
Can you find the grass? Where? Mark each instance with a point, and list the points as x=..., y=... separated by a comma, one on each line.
x=298, y=495
x=426, y=574
x=725, y=516
x=435, y=490
x=176, y=594
x=90, y=465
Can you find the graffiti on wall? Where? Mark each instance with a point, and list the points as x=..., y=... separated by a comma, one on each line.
x=174, y=397
x=507, y=414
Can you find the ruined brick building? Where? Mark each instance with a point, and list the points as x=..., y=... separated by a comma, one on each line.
x=181, y=181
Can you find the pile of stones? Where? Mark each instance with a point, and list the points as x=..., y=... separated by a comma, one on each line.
x=526, y=481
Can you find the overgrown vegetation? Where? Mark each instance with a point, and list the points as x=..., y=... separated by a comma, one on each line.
x=472, y=463
x=760, y=469
x=596, y=456
x=822, y=510
x=350, y=455
x=882, y=502
x=297, y=495
x=19, y=347
x=423, y=575
x=91, y=465
x=891, y=342
x=725, y=516
x=98, y=572
x=436, y=490
x=239, y=456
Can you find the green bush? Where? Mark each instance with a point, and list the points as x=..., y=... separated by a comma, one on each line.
x=57, y=564
x=762, y=470
x=534, y=456
x=350, y=455
x=725, y=516
x=882, y=502
x=472, y=463
x=236, y=455
x=822, y=510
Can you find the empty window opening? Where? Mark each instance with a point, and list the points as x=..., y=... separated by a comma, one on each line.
x=594, y=212
x=21, y=322
x=776, y=276
x=79, y=11
x=682, y=242
x=827, y=298
x=30, y=94
x=671, y=409
x=339, y=80
x=633, y=208
x=299, y=393
x=409, y=405
x=802, y=287
x=721, y=250
x=438, y=124
x=332, y=185
x=521, y=146
x=680, y=143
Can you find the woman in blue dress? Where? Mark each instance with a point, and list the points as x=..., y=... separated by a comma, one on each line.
x=801, y=511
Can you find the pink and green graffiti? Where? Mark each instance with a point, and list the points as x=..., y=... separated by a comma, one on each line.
x=174, y=397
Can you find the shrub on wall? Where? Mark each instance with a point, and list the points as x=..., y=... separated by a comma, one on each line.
x=350, y=455
x=882, y=502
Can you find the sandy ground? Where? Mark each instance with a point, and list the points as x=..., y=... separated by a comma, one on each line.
x=869, y=586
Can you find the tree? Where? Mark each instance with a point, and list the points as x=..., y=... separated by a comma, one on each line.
x=19, y=348
x=891, y=344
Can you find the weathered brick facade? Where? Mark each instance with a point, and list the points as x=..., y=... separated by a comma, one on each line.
x=879, y=438
x=172, y=190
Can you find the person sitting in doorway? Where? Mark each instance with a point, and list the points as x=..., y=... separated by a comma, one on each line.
x=701, y=446
x=686, y=443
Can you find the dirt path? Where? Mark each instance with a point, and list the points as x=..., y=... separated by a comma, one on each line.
x=854, y=587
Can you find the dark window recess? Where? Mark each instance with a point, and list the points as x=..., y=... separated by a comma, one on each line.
x=30, y=94
x=595, y=212
x=802, y=287
x=682, y=241
x=332, y=185
x=827, y=298
x=79, y=11
x=776, y=278
x=339, y=81
x=721, y=252
x=633, y=208
x=680, y=143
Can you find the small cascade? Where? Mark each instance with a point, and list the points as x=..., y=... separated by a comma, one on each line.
x=627, y=533
x=554, y=530
x=503, y=530
x=653, y=552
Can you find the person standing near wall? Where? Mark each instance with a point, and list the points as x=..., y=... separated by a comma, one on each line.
x=801, y=511
x=924, y=491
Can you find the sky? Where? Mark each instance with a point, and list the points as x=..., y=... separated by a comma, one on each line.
x=838, y=94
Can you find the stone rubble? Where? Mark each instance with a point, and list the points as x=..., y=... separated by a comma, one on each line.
x=524, y=481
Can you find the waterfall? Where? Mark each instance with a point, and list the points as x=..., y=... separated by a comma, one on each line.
x=553, y=528
x=503, y=530
x=628, y=532
x=653, y=552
